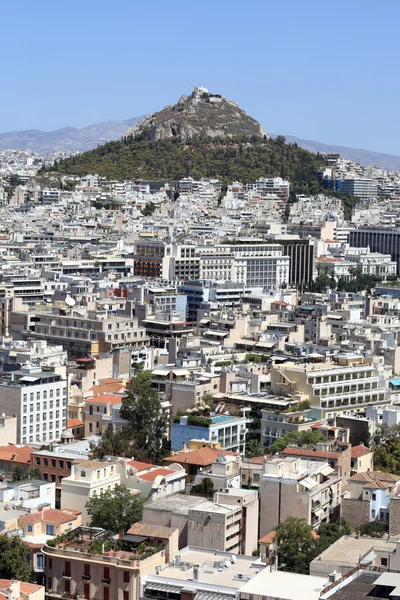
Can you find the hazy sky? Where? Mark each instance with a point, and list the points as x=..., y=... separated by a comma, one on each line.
x=326, y=71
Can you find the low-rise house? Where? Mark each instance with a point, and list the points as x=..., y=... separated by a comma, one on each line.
x=21, y=497
x=224, y=472
x=12, y=589
x=13, y=456
x=251, y=471
x=369, y=498
x=98, y=412
x=39, y=527
x=151, y=481
x=87, y=563
x=88, y=478
x=362, y=459
x=196, y=460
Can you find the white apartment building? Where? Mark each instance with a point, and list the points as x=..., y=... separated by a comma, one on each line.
x=39, y=401
x=346, y=387
x=88, y=478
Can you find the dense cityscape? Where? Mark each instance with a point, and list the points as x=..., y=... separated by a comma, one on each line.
x=199, y=319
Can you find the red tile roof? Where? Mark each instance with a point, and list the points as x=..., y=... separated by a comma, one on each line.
x=310, y=452
x=360, y=450
x=140, y=466
x=104, y=399
x=52, y=515
x=201, y=457
x=75, y=423
x=25, y=588
x=18, y=454
x=107, y=388
x=155, y=473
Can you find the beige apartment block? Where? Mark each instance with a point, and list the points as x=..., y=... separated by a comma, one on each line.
x=297, y=487
x=88, y=478
x=345, y=387
x=77, y=567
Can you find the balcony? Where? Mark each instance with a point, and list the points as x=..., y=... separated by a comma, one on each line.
x=67, y=575
x=106, y=580
x=85, y=577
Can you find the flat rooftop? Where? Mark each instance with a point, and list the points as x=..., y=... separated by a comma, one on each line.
x=179, y=504
x=280, y=584
x=349, y=549
x=216, y=569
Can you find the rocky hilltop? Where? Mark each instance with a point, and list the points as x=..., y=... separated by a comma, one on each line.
x=201, y=114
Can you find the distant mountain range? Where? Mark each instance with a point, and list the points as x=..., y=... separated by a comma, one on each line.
x=364, y=157
x=81, y=139
x=67, y=139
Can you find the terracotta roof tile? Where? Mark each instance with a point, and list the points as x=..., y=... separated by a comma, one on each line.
x=201, y=457
x=52, y=515
x=25, y=588
x=310, y=452
x=105, y=399
x=358, y=451
x=374, y=476
x=139, y=466
x=18, y=454
x=75, y=423
x=155, y=473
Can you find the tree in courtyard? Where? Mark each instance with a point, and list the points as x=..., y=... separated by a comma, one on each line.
x=372, y=529
x=295, y=545
x=33, y=474
x=254, y=448
x=205, y=488
x=296, y=438
x=14, y=559
x=147, y=423
x=112, y=443
x=115, y=510
x=18, y=473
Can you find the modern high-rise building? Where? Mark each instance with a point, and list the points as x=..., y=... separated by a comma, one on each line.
x=361, y=188
x=379, y=239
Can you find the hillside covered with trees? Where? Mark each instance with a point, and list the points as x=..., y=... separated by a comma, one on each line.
x=239, y=159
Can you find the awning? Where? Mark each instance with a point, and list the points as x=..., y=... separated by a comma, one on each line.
x=327, y=471
x=217, y=333
x=319, y=512
x=394, y=382
x=265, y=344
x=367, y=560
x=308, y=483
x=29, y=379
x=163, y=587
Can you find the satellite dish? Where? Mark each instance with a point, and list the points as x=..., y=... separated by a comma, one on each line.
x=69, y=301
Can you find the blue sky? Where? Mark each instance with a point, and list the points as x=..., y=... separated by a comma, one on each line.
x=319, y=70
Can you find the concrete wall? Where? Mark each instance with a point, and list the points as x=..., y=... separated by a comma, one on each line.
x=357, y=512
x=291, y=503
x=394, y=516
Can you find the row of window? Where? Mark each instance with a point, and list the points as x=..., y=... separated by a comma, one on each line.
x=41, y=460
x=44, y=416
x=42, y=437
x=44, y=394
x=365, y=373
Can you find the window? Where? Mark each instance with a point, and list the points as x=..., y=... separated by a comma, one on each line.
x=126, y=595
x=49, y=529
x=106, y=593
x=67, y=586
x=53, y=477
x=90, y=427
x=384, y=562
x=68, y=465
x=373, y=496
x=53, y=462
x=83, y=474
x=39, y=561
x=30, y=528
x=61, y=464
x=126, y=576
